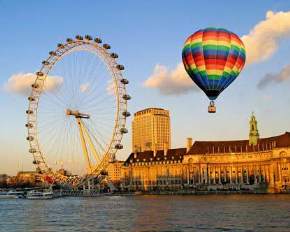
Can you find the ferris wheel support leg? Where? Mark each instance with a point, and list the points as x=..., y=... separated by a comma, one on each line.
x=92, y=147
x=84, y=146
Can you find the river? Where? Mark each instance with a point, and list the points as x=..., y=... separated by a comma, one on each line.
x=148, y=213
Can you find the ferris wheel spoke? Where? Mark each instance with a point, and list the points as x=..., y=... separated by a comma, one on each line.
x=99, y=147
x=101, y=135
x=96, y=85
x=99, y=110
x=95, y=102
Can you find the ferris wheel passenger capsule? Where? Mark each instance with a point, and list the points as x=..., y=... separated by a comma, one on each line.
x=29, y=138
x=126, y=97
x=35, y=86
x=79, y=37
x=106, y=46
x=120, y=67
x=126, y=114
x=31, y=98
x=123, y=130
x=98, y=40
x=60, y=45
x=69, y=40
x=28, y=125
x=40, y=74
x=45, y=62
x=114, y=55
x=32, y=150
x=52, y=53
x=88, y=37
x=29, y=112
x=119, y=146
x=124, y=81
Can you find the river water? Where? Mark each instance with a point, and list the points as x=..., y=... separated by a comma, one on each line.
x=148, y=213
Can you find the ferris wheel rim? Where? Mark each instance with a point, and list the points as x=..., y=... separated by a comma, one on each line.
x=121, y=97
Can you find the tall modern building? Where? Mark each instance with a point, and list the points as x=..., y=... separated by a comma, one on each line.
x=151, y=130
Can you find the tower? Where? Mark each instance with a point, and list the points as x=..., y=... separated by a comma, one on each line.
x=254, y=133
x=151, y=130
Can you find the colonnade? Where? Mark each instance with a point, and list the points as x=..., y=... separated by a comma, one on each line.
x=230, y=174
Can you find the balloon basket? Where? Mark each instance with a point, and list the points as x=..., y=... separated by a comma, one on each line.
x=211, y=107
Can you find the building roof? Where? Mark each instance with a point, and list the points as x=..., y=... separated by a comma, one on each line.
x=149, y=109
x=148, y=156
x=236, y=146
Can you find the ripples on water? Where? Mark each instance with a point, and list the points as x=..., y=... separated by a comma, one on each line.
x=149, y=213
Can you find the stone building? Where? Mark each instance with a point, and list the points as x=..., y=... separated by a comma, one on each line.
x=236, y=164
x=256, y=164
x=151, y=130
x=114, y=170
x=149, y=170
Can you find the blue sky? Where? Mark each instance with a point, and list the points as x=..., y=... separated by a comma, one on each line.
x=144, y=34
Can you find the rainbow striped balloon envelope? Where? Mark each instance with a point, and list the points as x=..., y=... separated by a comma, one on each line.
x=213, y=58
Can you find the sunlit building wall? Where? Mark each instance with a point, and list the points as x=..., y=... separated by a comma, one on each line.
x=114, y=171
x=254, y=164
x=151, y=130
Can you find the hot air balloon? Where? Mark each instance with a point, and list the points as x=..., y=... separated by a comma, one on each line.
x=213, y=58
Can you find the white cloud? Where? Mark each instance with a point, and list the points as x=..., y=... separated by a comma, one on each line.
x=21, y=83
x=263, y=40
x=269, y=79
x=261, y=43
x=84, y=87
x=170, y=82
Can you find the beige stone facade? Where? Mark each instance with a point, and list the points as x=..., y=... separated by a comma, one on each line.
x=264, y=170
x=147, y=171
x=213, y=165
x=151, y=130
x=114, y=170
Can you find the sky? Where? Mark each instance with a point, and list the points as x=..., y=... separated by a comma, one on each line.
x=149, y=36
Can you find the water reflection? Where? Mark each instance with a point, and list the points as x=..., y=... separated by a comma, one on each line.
x=149, y=213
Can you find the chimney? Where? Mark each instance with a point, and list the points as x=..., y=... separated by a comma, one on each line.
x=188, y=144
x=165, y=148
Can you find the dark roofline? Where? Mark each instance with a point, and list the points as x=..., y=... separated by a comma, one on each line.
x=229, y=146
x=175, y=154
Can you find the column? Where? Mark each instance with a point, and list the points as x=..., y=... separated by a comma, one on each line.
x=237, y=174
x=279, y=171
x=214, y=170
x=187, y=174
x=219, y=172
x=255, y=175
x=247, y=174
x=231, y=169
x=225, y=174
x=206, y=174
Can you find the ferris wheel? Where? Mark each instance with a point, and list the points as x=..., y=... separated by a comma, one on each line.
x=77, y=108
